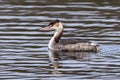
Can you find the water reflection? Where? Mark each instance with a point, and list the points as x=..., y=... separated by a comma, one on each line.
x=57, y=59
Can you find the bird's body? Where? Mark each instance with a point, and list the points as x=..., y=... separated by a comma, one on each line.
x=56, y=43
x=74, y=45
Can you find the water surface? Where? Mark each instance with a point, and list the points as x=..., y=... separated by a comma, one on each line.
x=23, y=48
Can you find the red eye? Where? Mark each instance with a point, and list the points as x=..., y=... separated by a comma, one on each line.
x=50, y=25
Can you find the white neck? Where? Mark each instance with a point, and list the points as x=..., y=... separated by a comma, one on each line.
x=56, y=37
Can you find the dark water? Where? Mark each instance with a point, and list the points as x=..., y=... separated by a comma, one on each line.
x=23, y=49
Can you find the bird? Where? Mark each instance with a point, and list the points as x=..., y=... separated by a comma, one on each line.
x=58, y=44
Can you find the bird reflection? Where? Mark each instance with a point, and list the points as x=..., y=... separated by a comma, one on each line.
x=56, y=58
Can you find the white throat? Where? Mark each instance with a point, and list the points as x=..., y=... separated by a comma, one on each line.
x=51, y=43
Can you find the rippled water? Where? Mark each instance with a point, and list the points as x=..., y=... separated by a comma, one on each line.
x=23, y=48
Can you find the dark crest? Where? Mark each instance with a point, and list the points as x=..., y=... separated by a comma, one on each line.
x=54, y=22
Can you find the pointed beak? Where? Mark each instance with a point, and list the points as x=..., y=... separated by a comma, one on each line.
x=45, y=28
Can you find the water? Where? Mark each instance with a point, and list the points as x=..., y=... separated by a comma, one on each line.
x=23, y=48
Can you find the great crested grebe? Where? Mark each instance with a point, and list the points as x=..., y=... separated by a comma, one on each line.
x=67, y=44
